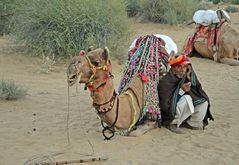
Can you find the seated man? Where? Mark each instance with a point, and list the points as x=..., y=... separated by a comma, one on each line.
x=181, y=97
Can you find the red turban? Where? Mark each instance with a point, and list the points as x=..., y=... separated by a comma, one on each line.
x=179, y=60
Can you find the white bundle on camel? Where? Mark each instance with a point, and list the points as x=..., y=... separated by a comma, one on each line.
x=208, y=17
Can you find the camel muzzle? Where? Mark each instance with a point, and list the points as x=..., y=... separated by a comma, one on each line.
x=71, y=80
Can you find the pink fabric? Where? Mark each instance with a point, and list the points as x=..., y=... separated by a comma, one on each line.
x=131, y=52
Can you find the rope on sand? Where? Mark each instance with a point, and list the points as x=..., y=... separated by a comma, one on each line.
x=68, y=115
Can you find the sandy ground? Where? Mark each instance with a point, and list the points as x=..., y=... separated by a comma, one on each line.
x=45, y=110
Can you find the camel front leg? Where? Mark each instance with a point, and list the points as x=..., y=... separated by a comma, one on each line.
x=144, y=128
x=215, y=57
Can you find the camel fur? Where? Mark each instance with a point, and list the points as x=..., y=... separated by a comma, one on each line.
x=227, y=51
x=130, y=103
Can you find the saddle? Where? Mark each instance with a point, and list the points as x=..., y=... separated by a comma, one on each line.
x=209, y=34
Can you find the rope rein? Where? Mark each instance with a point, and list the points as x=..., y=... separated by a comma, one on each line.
x=111, y=127
x=68, y=115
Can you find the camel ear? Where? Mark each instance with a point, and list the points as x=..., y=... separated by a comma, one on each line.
x=82, y=53
x=172, y=54
x=105, y=54
x=90, y=49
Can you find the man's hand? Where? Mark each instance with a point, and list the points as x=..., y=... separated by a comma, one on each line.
x=186, y=87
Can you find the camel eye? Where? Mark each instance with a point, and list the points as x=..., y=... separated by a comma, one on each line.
x=96, y=63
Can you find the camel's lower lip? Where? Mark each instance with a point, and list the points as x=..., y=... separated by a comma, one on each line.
x=71, y=82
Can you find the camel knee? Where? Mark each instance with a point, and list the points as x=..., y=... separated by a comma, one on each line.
x=144, y=128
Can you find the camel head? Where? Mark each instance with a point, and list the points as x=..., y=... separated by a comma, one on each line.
x=88, y=67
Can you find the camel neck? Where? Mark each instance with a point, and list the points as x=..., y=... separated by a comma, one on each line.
x=105, y=94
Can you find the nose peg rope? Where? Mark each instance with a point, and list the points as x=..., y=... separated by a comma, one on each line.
x=68, y=115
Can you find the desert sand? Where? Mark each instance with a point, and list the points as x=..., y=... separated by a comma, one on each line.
x=35, y=127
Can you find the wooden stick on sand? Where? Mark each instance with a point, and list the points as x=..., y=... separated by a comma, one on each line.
x=103, y=158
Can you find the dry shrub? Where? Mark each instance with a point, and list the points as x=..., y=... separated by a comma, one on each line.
x=10, y=91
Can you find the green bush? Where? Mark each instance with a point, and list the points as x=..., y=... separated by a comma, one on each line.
x=10, y=91
x=168, y=11
x=235, y=1
x=64, y=27
x=226, y=1
x=7, y=11
x=216, y=1
x=132, y=7
x=153, y=10
x=231, y=9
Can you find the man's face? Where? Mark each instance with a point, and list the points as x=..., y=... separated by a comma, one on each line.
x=179, y=70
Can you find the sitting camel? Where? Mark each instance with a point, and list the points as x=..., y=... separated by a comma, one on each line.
x=122, y=111
x=217, y=41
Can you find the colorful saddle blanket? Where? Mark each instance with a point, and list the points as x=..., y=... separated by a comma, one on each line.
x=208, y=34
x=147, y=60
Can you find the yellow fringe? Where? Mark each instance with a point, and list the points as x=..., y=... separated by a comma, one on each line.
x=134, y=108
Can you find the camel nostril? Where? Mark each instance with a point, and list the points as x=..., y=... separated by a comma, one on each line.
x=73, y=77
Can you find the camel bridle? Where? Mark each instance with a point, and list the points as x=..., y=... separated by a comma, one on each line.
x=93, y=68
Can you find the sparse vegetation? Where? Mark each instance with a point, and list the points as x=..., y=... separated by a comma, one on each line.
x=10, y=91
x=163, y=11
x=132, y=7
x=226, y=1
x=7, y=11
x=63, y=27
x=231, y=9
x=235, y=1
x=215, y=1
x=47, y=64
